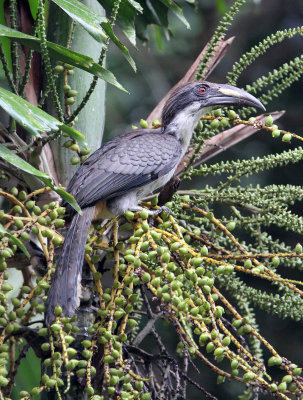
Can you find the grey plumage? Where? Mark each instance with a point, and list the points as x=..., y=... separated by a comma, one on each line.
x=66, y=280
x=124, y=163
x=126, y=169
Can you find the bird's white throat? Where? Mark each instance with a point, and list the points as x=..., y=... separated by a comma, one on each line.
x=184, y=123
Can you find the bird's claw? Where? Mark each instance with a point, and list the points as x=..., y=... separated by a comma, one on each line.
x=160, y=210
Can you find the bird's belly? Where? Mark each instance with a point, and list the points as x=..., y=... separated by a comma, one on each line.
x=153, y=186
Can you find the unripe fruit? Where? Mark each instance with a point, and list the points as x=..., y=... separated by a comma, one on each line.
x=219, y=351
x=274, y=361
x=66, y=88
x=204, y=251
x=297, y=371
x=58, y=240
x=231, y=225
x=129, y=215
x=273, y=387
x=59, y=223
x=17, y=210
x=298, y=248
x=144, y=123
x=269, y=120
x=231, y=114
x=210, y=347
x=276, y=133
x=146, y=277
x=75, y=160
x=29, y=204
x=287, y=379
x=108, y=359
x=72, y=93
x=286, y=138
x=70, y=101
x=282, y=387
x=58, y=68
x=6, y=287
x=217, y=112
x=248, y=376
x=14, y=191
x=215, y=124
x=144, y=214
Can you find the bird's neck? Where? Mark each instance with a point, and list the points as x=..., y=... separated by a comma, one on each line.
x=184, y=123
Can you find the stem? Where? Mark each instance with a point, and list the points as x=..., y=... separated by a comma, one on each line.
x=14, y=45
x=100, y=62
x=47, y=62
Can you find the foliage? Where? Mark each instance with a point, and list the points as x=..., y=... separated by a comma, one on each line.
x=187, y=269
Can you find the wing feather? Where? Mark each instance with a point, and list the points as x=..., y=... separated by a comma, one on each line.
x=124, y=163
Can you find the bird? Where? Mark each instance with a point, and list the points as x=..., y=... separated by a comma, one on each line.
x=126, y=169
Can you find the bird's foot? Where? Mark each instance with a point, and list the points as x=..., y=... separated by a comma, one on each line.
x=160, y=210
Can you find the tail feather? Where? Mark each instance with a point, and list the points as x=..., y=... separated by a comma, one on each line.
x=67, y=277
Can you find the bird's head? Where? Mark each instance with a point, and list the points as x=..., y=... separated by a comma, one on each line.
x=198, y=98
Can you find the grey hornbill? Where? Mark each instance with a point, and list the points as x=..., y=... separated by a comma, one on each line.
x=128, y=168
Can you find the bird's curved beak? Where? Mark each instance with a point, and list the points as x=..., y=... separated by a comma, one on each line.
x=226, y=94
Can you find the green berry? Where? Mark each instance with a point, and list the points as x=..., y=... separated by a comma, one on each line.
x=58, y=68
x=287, y=379
x=144, y=124
x=231, y=114
x=215, y=124
x=273, y=387
x=276, y=133
x=75, y=160
x=146, y=277
x=204, y=251
x=17, y=210
x=231, y=225
x=297, y=371
x=29, y=204
x=217, y=112
x=156, y=122
x=269, y=120
x=129, y=215
x=248, y=264
x=210, y=347
x=14, y=191
x=286, y=138
x=72, y=93
x=282, y=387
x=274, y=361
x=249, y=376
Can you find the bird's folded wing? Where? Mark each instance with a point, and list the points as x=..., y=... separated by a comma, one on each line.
x=124, y=163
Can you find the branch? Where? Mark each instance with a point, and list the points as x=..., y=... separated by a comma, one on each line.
x=189, y=76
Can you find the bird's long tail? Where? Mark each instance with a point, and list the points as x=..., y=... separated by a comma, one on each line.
x=66, y=280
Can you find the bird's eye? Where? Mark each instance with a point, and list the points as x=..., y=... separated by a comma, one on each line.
x=202, y=89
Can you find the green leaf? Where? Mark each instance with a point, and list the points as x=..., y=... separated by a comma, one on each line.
x=136, y=5
x=18, y=162
x=87, y=18
x=107, y=28
x=32, y=118
x=15, y=240
x=126, y=17
x=33, y=4
x=221, y=6
x=177, y=10
x=6, y=45
x=61, y=53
